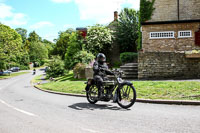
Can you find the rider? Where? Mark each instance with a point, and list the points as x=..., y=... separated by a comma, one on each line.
x=34, y=71
x=100, y=69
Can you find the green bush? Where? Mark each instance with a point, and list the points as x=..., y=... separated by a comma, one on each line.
x=83, y=57
x=117, y=64
x=128, y=57
x=99, y=39
x=55, y=67
x=74, y=46
x=79, y=71
x=22, y=67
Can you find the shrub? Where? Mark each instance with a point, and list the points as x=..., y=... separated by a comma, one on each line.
x=128, y=57
x=22, y=67
x=117, y=64
x=83, y=57
x=74, y=46
x=55, y=67
x=99, y=39
x=79, y=71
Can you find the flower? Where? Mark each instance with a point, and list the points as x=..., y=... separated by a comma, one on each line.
x=193, y=52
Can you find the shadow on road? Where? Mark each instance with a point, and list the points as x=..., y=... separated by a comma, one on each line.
x=88, y=106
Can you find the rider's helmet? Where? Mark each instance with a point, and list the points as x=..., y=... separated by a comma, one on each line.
x=101, y=58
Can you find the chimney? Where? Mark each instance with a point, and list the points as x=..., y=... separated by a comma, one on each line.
x=115, y=16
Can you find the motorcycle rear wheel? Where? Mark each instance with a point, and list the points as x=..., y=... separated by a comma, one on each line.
x=126, y=96
x=92, y=94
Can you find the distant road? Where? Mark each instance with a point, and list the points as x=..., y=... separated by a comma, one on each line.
x=24, y=109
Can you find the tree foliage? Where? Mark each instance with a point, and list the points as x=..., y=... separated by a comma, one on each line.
x=34, y=37
x=75, y=45
x=18, y=50
x=49, y=45
x=83, y=57
x=127, y=30
x=10, y=46
x=146, y=10
x=99, y=38
x=38, y=52
x=55, y=67
x=62, y=43
x=23, y=33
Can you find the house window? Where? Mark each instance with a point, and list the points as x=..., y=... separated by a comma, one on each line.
x=160, y=35
x=183, y=34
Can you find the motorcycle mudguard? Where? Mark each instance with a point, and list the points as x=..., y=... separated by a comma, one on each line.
x=87, y=87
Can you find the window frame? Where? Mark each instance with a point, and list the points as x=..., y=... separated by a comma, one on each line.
x=179, y=34
x=162, y=35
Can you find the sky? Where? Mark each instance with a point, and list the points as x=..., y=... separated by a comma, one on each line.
x=48, y=17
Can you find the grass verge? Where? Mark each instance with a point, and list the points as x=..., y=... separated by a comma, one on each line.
x=36, y=79
x=12, y=75
x=168, y=90
x=171, y=90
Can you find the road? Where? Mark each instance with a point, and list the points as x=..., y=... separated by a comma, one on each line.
x=24, y=109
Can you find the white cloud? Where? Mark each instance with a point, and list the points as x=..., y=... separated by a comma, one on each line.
x=61, y=1
x=102, y=10
x=99, y=10
x=5, y=11
x=8, y=17
x=41, y=24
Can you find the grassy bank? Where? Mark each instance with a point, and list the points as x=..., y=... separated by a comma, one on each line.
x=12, y=75
x=172, y=90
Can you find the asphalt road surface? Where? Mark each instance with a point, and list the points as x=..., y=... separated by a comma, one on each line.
x=24, y=109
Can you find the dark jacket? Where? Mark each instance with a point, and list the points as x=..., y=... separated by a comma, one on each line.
x=101, y=69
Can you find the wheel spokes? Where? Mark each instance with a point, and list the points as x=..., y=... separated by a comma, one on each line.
x=126, y=95
x=93, y=92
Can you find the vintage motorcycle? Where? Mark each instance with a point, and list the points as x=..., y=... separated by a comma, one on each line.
x=118, y=90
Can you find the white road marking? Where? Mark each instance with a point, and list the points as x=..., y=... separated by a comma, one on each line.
x=19, y=110
x=89, y=130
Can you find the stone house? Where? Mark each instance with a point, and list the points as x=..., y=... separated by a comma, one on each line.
x=174, y=29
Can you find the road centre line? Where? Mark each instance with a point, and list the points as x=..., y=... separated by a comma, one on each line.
x=89, y=130
x=19, y=110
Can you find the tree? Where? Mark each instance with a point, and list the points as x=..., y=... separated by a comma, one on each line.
x=38, y=52
x=75, y=45
x=127, y=30
x=99, y=39
x=49, y=45
x=146, y=10
x=23, y=33
x=34, y=37
x=10, y=46
x=56, y=67
x=62, y=43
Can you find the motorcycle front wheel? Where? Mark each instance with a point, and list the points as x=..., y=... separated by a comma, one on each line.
x=126, y=96
x=92, y=94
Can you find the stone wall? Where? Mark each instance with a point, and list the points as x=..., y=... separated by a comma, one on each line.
x=189, y=9
x=167, y=10
x=167, y=65
x=169, y=45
